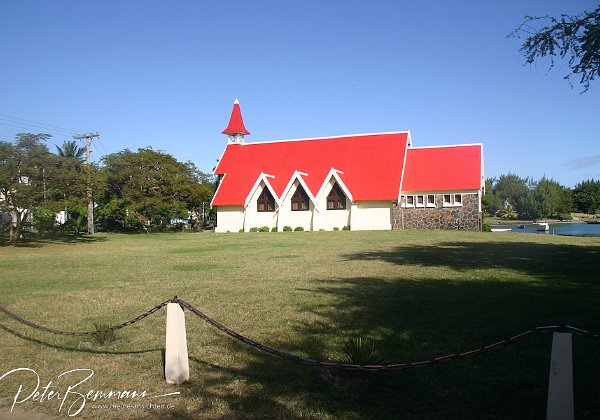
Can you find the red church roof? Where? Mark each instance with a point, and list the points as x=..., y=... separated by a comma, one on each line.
x=443, y=168
x=236, y=122
x=370, y=165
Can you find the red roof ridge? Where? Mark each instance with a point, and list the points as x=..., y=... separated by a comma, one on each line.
x=340, y=158
x=328, y=137
x=447, y=145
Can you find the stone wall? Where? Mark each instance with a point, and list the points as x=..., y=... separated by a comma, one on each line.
x=465, y=217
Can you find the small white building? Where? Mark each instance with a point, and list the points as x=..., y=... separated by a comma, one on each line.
x=367, y=181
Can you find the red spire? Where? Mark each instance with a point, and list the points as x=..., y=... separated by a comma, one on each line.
x=236, y=122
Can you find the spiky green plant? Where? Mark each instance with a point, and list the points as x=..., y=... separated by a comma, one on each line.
x=360, y=351
x=105, y=335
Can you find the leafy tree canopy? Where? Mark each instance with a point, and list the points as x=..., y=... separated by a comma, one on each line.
x=586, y=196
x=576, y=37
x=152, y=186
x=512, y=189
x=22, y=178
x=491, y=202
x=552, y=200
x=35, y=182
x=525, y=198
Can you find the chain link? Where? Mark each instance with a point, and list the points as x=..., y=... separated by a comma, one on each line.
x=393, y=366
x=83, y=333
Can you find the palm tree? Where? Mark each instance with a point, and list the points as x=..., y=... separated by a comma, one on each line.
x=70, y=149
x=509, y=212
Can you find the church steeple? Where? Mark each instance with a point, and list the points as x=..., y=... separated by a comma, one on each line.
x=235, y=129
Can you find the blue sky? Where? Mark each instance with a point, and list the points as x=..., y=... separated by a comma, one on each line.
x=165, y=74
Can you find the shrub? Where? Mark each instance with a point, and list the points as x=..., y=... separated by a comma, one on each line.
x=346, y=228
x=105, y=336
x=486, y=228
x=298, y=229
x=264, y=229
x=253, y=229
x=287, y=228
x=240, y=231
x=336, y=228
x=321, y=230
x=274, y=229
x=43, y=219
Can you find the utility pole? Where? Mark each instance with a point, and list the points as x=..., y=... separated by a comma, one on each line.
x=88, y=139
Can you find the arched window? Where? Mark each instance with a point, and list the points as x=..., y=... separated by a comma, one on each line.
x=336, y=200
x=265, y=201
x=300, y=199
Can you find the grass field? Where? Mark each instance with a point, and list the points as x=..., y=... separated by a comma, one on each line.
x=417, y=294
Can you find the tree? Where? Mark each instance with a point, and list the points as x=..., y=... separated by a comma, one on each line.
x=69, y=149
x=586, y=196
x=67, y=189
x=23, y=180
x=149, y=185
x=552, y=199
x=490, y=202
x=575, y=36
x=516, y=191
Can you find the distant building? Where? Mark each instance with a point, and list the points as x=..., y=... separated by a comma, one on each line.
x=374, y=181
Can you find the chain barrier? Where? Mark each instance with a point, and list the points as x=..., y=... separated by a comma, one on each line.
x=82, y=333
x=394, y=366
x=307, y=361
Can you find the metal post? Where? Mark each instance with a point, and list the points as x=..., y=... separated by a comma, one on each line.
x=560, y=386
x=177, y=369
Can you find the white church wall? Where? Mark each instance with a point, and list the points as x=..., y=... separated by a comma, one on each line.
x=230, y=218
x=336, y=218
x=371, y=215
x=294, y=219
x=267, y=218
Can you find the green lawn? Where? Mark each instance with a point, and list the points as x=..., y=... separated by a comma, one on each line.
x=418, y=294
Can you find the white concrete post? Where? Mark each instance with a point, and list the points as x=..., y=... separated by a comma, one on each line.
x=177, y=369
x=560, y=386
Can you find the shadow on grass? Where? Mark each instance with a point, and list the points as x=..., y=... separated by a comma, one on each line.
x=578, y=264
x=413, y=320
x=68, y=240
x=421, y=319
x=73, y=349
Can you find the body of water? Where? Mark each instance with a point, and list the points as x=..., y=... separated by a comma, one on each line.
x=568, y=229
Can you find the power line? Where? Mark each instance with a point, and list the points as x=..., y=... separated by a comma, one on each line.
x=69, y=130
x=48, y=131
x=101, y=145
